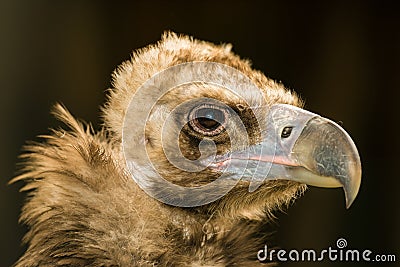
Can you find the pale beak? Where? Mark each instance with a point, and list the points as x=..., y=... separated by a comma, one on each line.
x=300, y=146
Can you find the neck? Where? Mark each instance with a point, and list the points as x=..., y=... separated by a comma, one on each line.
x=214, y=240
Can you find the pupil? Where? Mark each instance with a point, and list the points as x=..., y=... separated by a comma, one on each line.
x=207, y=123
x=286, y=132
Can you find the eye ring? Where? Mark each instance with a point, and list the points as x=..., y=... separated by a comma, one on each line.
x=208, y=119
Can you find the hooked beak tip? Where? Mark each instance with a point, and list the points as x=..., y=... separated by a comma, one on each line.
x=326, y=149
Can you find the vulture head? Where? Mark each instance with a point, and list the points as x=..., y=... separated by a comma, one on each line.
x=196, y=152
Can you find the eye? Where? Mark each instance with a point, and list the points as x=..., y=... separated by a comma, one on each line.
x=286, y=132
x=208, y=120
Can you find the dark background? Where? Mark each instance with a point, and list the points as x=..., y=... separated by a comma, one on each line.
x=343, y=59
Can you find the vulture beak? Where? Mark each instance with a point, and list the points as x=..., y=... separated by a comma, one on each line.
x=300, y=146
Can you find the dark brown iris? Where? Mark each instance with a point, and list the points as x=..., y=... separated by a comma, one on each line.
x=208, y=120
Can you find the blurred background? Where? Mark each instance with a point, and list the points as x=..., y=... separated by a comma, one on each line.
x=343, y=59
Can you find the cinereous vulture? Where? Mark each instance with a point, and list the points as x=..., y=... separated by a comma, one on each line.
x=196, y=152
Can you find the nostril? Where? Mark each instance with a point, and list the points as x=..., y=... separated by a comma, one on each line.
x=286, y=132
